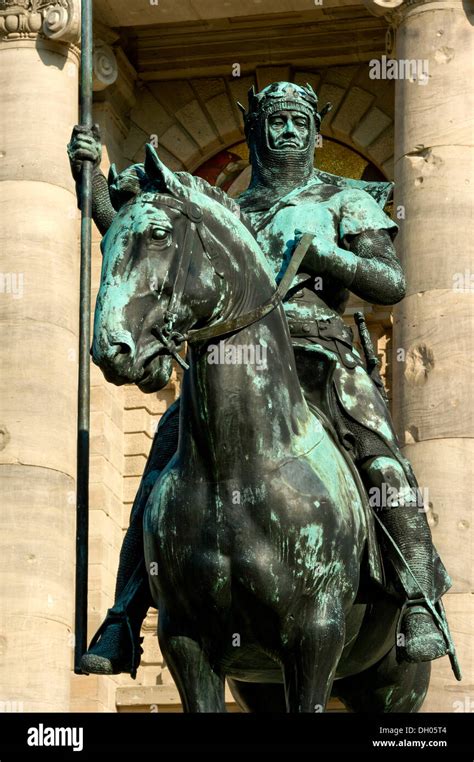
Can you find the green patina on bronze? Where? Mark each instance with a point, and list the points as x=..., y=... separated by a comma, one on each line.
x=300, y=441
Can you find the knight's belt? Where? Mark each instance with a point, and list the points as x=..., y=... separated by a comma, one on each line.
x=331, y=333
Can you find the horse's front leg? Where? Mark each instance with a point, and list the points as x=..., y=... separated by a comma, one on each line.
x=200, y=687
x=314, y=643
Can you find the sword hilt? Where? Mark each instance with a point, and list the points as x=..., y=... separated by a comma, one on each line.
x=371, y=359
x=366, y=341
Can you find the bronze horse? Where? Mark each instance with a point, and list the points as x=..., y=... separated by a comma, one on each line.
x=256, y=532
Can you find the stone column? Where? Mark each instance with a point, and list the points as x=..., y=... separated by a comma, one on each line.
x=433, y=326
x=38, y=353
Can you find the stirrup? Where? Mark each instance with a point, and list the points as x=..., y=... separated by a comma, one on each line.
x=436, y=608
x=437, y=612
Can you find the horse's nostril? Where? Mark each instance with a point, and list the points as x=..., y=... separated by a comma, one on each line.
x=121, y=348
x=118, y=347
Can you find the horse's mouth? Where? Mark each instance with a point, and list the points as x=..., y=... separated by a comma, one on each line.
x=150, y=366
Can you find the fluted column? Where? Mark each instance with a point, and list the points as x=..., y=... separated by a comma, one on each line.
x=38, y=352
x=433, y=376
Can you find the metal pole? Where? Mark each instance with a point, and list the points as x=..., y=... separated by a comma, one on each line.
x=83, y=410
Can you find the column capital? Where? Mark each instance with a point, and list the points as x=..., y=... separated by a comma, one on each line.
x=394, y=11
x=50, y=19
x=382, y=7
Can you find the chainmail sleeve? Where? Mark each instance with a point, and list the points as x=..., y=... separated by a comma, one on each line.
x=102, y=210
x=378, y=277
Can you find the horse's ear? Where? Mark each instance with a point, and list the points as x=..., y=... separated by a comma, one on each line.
x=156, y=170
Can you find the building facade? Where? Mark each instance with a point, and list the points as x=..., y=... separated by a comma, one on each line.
x=171, y=74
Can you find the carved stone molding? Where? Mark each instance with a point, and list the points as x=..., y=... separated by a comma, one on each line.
x=105, y=65
x=395, y=10
x=50, y=19
x=382, y=7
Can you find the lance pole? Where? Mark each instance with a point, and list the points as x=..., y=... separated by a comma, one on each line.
x=83, y=407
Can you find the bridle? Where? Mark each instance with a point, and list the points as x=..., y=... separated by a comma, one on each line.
x=194, y=231
x=167, y=334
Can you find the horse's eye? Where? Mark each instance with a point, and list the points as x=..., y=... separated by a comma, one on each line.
x=159, y=234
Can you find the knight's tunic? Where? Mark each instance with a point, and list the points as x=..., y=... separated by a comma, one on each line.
x=333, y=211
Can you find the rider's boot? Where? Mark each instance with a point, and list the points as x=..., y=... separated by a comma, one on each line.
x=116, y=646
x=405, y=521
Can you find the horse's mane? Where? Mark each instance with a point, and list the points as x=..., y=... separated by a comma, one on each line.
x=198, y=183
x=134, y=180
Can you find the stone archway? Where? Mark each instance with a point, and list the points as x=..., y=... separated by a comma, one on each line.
x=195, y=119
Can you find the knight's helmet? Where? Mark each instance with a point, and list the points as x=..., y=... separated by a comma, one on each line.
x=287, y=165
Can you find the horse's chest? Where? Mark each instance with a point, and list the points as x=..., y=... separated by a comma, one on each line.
x=266, y=538
x=214, y=518
x=207, y=528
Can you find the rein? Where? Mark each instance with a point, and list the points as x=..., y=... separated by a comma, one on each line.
x=167, y=334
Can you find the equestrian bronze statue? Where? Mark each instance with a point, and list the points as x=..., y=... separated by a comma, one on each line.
x=277, y=528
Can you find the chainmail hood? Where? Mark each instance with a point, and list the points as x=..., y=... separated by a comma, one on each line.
x=277, y=171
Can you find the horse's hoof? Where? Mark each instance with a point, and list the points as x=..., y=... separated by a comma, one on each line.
x=423, y=641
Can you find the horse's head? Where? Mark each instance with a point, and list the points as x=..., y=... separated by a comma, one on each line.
x=160, y=273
